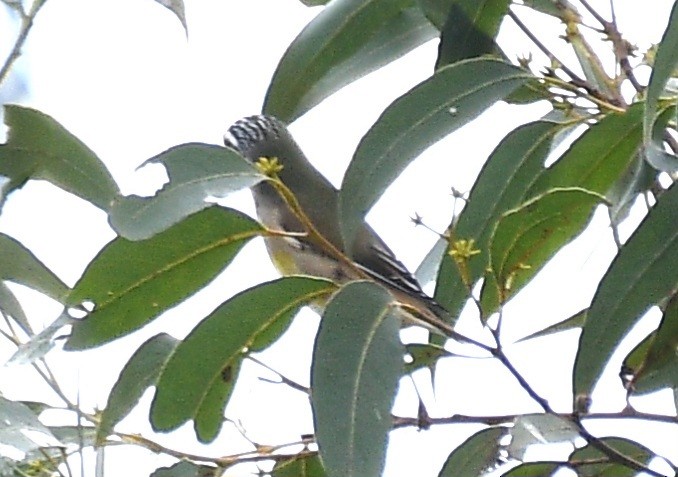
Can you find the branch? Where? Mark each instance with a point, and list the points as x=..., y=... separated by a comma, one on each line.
x=574, y=77
x=404, y=421
x=620, y=46
x=283, y=379
x=262, y=453
x=26, y=25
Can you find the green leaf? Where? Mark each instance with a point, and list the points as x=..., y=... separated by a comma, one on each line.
x=357, y=361
x=550, y=7
x=503, y=182
x=80, y=435
x=528, y=93
x=19, y=265
x=39, y=345
x=525, y=238
x=530, y=429
x=534, y=469
x=140, y=372
x=643, y=273
x=21, y=428
x=10, y=306
x=665, y=63
x=131, y=283
x=575, y=321
x=470, y=30
x=599, y=157
x=638, y=179
x=40, y=148
x=209, y=416
x=196, y=172
x=591, y=462
x=657, y=362
x=314, y=3
x=203, y=367
x=299, y=466
x=475, y=455
x=346, y=41
x=187, y=469
x=429, y=266
x=452, y=97
x=436, y=11
x=422, y=355
x=176, y=7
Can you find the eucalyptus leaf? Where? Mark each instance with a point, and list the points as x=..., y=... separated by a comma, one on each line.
x=357, y=362
x=643, y=273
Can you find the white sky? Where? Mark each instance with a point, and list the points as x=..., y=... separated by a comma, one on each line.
x=123, y=78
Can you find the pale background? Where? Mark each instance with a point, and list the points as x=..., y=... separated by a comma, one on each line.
x=122, y=76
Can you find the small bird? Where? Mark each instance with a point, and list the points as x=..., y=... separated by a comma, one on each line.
x=261, y=136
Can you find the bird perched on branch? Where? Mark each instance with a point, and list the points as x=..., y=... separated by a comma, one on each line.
x=306, y=208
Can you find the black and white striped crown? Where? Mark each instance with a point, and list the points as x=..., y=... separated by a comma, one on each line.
x=248, y=132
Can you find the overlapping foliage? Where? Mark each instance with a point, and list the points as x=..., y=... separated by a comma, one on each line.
x=518, y=215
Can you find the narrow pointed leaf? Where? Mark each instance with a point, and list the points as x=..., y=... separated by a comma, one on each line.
x=644, y=272
x=534, y=469
x=638, y=179
x=140, y=372
x=528, y=236
x=357, y=361
x=40, y=148
x=204, y=366
x=452, y=97
x=196, y=172
x=176, y=7
x=422, y=355
x=40, y=344
x=19, y=265
x=470, y=30
x=503, y=182
x=665, y=64
x=131, y=283
x=573, y=322
x=10, y=306
x=599, y=157
x=592, y=462
x=475, y=455
x=300, y=466
x=347, y=40
x=529, y=429
x=657, y=363
x=21, y=427
x=436, y=11
x=186, y=468
x=555, y=8
x=209, y=417
x=314, y=3
x=429, y=266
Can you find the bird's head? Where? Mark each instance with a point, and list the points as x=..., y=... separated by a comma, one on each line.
x=261, y=136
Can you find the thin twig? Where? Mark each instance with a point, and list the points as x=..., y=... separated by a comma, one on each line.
x=403, y=421
x=503, y=359
x=575, y=79
x=575, y=419
x=26, y=25
x=602, y=103
x=225, y=461
x=283, y=379
x=619, y=45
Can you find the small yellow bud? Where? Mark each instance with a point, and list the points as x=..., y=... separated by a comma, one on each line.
x=462, y=250
x=269, y=166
